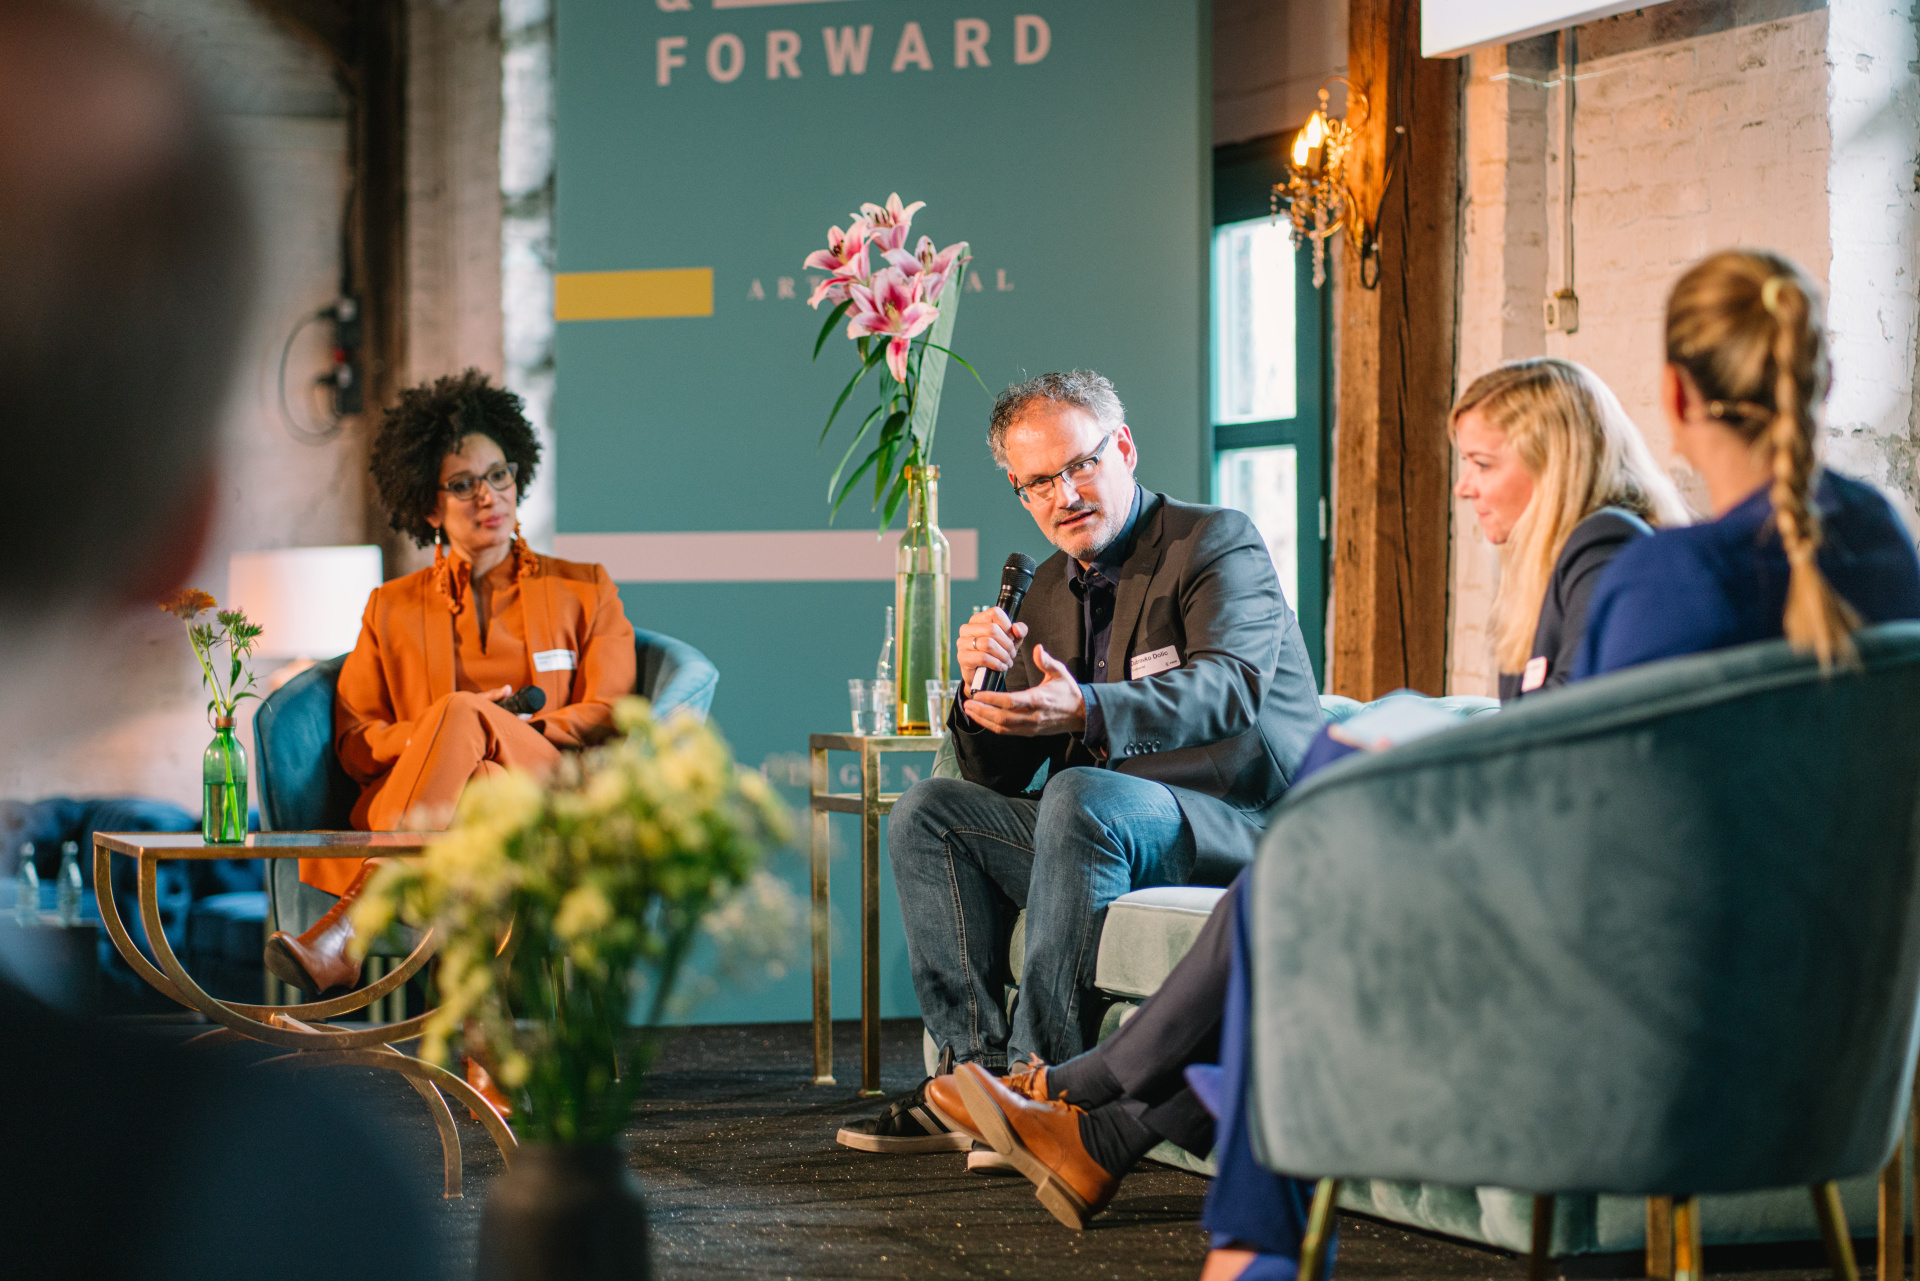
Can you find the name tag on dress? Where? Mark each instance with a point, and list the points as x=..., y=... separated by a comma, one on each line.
x=1164, y=659
x=1535, y=674
x=553, y=660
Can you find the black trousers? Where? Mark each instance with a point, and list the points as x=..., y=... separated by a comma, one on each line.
x=1177, y=1026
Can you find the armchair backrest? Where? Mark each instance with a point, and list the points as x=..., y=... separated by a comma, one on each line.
x=302, y=787
x=673, y=674
x=1654, y=933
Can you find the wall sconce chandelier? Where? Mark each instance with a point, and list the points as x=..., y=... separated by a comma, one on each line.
x=1316, y=194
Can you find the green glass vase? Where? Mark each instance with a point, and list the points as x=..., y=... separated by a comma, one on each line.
x=922, y=587
x=223, y=776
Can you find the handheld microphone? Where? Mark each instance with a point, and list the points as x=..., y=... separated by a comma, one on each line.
x=525, y=701
x=1014, y=581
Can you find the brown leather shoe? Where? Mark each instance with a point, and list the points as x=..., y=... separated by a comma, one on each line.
x=1042, y=1137
x=317, y=961
x=487, y=1088
x=943, y=1095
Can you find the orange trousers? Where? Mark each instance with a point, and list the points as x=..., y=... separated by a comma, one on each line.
x=462, y=737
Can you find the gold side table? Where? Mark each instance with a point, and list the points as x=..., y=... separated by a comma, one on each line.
x=872, y=805
x=296, y=1028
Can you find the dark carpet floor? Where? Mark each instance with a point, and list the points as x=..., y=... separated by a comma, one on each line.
x=743, y=1179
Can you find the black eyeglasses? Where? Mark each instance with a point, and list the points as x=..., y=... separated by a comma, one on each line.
x=500, y=476
x=1075, y=473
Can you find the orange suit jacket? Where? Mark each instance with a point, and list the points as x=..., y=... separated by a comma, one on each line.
x=403, y=662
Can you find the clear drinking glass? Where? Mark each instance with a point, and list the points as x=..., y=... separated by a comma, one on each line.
x=861, y=694
x=940, y=696
x=883, y=707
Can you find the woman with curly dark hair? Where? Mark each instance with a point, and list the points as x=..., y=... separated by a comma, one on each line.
x=418, y=712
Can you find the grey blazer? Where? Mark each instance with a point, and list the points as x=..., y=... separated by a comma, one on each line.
x=1226, y=729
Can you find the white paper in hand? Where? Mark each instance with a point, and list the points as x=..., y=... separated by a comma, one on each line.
x=1393, y=720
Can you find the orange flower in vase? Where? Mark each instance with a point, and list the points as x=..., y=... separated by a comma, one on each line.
x=223, y=817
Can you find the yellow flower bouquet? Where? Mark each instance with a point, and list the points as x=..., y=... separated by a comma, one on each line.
x=564, y=901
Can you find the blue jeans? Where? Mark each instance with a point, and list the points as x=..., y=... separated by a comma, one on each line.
x=966, y=860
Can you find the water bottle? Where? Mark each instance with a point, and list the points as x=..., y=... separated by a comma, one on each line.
x=883, y=671
x=883, y=690
x=26, y=879
x=70, y=886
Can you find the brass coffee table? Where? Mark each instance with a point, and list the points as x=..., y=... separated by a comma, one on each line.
x=290, y=1027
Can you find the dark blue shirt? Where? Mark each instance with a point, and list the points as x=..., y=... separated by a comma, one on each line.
x=1096, y=585
x=1708, y=586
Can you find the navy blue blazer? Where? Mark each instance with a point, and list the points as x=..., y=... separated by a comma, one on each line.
x=1708, y=586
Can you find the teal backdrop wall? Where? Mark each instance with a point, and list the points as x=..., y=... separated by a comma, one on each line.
x=1076, y=163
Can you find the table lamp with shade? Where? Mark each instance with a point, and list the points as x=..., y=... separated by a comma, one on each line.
x=307, y=600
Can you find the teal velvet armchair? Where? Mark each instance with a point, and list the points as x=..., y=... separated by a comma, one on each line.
x=303, y=788
x=1654, y=935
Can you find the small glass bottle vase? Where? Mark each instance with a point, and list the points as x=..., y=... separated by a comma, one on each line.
x=922, y=586
x=223, y=774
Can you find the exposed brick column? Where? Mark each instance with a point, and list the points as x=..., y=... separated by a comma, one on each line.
x=1397, y=354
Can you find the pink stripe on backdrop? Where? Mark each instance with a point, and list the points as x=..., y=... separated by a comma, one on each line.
x=757, y=556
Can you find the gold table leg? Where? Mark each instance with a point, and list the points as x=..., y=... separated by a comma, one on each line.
x=822, y=926
x=1689, y=1262
x=1660, y=1237
x=1833, y=1232
x=1892, y=1253
x=1313, y=1250
x=869, y=921
x=1540, y=1263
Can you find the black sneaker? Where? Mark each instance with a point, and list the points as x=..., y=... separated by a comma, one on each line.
x=908, y=1125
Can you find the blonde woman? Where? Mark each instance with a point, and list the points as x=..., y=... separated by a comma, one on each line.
x=1560, y=480
x=1794, y=549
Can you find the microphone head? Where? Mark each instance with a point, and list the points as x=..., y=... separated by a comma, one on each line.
x=1018, y=573
x=533, y=698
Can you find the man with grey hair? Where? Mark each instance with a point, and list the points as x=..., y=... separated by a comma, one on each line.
x=1157, y=676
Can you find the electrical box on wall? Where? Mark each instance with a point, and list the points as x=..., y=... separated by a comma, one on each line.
x=1563, y=312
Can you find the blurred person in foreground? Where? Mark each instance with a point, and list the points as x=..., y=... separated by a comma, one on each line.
x=125, y=257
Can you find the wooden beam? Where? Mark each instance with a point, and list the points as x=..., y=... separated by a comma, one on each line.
x=380, y=193
x=1396, y=342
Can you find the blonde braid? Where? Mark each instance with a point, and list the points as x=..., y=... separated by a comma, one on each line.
x=1815, y=619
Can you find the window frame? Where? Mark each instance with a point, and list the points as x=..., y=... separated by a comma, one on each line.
x=1243, y=178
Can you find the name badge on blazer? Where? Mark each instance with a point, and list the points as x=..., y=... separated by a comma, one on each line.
x=1535, y=674
x=553, y=660
x=1164, y=659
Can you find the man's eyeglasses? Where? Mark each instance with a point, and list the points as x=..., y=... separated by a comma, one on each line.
x=466, y=485
x=1075, y=473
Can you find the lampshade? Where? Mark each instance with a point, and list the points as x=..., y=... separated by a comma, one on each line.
x=308, y=600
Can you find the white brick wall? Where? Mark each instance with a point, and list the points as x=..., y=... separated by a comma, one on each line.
x=1874, y=113
x=1698, y=126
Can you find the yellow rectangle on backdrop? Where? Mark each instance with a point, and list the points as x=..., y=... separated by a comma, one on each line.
x=633, y=295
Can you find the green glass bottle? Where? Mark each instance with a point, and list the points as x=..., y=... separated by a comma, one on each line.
x=223, y=776
x=922, y=588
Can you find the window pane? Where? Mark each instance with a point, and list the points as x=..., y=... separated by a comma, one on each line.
x=1253, y=350
x=1264, y=483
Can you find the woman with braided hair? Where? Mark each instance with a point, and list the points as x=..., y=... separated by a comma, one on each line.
x=1794, y=549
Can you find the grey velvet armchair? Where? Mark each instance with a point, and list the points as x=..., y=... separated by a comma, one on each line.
x=1654, y=935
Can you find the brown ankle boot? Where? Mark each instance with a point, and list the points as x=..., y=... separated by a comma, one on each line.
x=317, y=961
x=487, y=1088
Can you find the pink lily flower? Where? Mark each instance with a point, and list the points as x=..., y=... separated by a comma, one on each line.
x=891, y=307
x=845, y=261
x=936, y=267
x=889, y=224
